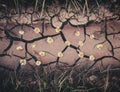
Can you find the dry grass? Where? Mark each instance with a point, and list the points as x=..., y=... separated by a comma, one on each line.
x=86, y=6
x=65, y=79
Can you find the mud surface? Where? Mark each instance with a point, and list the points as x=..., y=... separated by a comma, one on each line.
x=105, y=34
x=90, y=31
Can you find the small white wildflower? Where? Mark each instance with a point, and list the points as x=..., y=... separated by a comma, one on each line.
x=42, y=53
x=50, y=40
x=36, y=30
x=60, y=54
x=81, y=54
x=38, y=63
x=23, y=61
x=77, y=33
x=67, y=43
x=91, y=57
x=19, y=48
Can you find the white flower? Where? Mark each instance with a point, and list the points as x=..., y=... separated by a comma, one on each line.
x=36, y=30
x=81, y=54
x=91, y=57
x=50, y=40
x=67, y=43
x=33, y=45
x=57, y=29
x=99, y=46
x=60, y=54
x=42, y=53
x=77, y=33
x=19, y=48
x=23, y=61
x=81, y=43
x=21, y=32
x=92, y=36
x=38, y=63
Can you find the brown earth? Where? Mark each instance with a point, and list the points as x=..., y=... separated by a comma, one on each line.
x=109, y=36
x=70, y=55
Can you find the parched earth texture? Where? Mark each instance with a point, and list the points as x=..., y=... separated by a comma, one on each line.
x=106, y=31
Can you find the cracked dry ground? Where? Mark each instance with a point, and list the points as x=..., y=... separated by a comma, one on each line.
x=23, y=45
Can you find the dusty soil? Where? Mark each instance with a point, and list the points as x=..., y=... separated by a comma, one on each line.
x=105, y=32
